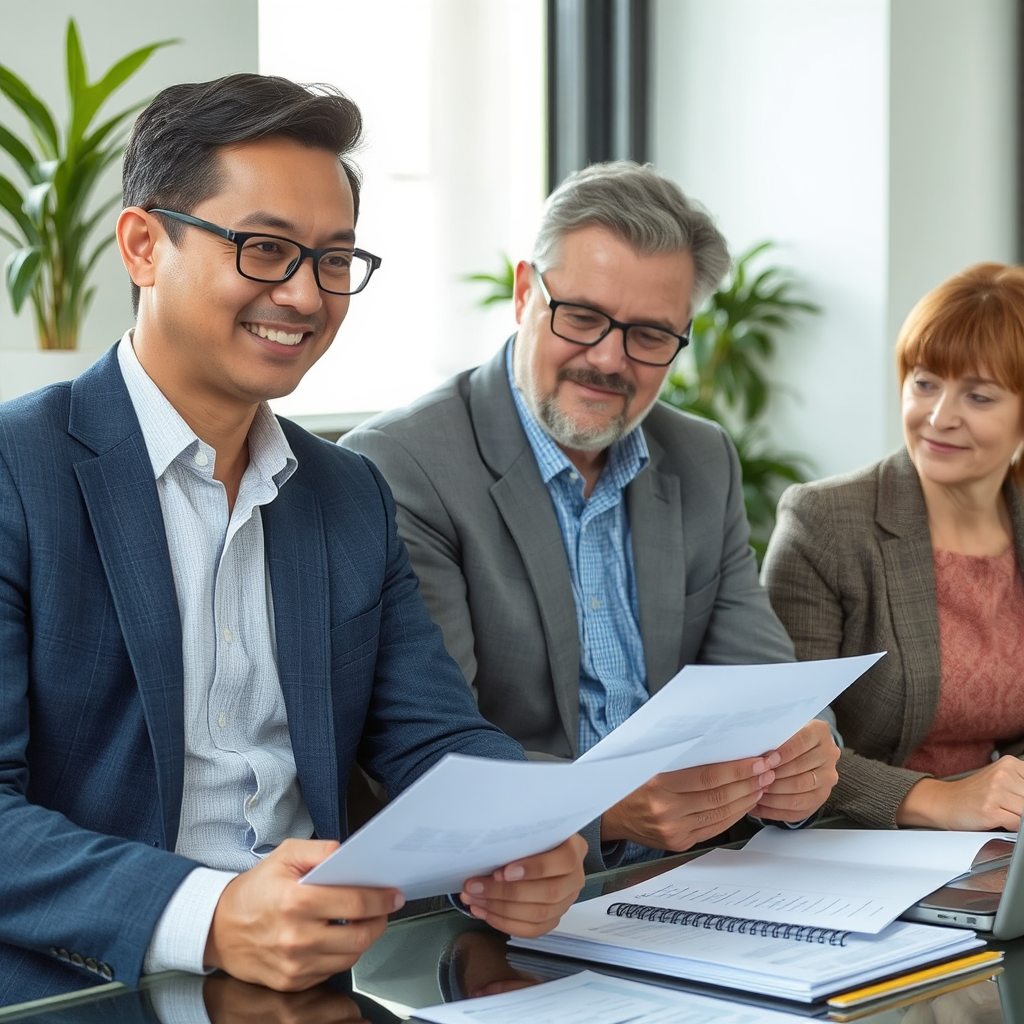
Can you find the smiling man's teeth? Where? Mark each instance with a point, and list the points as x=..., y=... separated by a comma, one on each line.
x=280, y=337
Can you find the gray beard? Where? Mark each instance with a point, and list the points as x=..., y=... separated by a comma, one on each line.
x=565, y=432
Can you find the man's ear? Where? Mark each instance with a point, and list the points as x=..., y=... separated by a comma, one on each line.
x=521, y=287
x=137, y=233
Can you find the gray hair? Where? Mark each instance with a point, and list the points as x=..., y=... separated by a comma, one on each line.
x=644, y=209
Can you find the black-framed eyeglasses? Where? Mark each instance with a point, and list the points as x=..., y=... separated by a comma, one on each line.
x=272, y=259
x=643, y=343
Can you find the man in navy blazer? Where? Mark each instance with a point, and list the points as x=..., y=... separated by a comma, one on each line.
x=169, y=769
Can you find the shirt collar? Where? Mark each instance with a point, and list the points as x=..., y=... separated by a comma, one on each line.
x=167, y=435
x=626, y=457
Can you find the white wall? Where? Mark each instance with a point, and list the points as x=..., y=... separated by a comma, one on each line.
x=952, y=165
x=217, y=39
x=874, y=140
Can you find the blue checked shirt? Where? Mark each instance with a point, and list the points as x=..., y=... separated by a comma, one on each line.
x=596, y=532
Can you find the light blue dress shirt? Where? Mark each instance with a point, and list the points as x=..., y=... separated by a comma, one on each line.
x=613, y=673
x=598, y=545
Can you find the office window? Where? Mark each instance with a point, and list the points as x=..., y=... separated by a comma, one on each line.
x=452, y=93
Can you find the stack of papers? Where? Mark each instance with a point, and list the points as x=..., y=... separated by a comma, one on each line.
x=843, y=890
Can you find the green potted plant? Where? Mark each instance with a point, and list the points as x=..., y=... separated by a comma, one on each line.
x=57, y=231
x=723, y=375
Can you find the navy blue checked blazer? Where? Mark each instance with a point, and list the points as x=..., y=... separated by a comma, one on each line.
x=91, y=706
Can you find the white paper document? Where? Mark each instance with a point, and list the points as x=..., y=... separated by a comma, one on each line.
x=591, y=998
x=468, y=816
x=846, y=879
x=732, y=710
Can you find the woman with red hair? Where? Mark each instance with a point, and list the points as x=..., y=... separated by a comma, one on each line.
x=921, y=555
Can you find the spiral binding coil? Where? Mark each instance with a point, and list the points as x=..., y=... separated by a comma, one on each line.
x=742, y=925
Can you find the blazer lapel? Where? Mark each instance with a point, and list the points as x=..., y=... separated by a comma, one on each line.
x=297, y=556
x=655, y=521
x=120, y=495
x=910, y=580
x=525, y=505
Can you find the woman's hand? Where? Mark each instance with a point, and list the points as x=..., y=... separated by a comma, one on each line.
x=992, y=797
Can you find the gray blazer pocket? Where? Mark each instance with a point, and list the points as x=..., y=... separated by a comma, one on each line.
x=699, y=605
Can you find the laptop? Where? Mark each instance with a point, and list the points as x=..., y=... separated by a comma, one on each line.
x=989, y=898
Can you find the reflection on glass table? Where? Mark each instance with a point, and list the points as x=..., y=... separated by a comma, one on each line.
x=430, y=954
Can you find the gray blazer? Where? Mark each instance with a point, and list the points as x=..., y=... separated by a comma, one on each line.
x=849, y=571
x=485, y=542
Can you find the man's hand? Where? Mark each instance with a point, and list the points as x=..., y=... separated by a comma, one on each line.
x=805, y=776
x=674, y=810
x=270, y=930
x=992, y=797
x=528, y=897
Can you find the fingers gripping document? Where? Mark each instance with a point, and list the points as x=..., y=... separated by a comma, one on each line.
x=468, y=816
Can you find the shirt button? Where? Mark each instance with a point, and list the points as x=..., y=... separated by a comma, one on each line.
x=574, y=477
x=200, y=459
x=594, y=603
x=227, y=635
x=222, y=720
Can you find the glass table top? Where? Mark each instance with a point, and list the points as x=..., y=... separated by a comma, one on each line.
x=431, y=953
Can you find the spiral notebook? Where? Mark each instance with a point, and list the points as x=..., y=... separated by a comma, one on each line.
x=815, y=920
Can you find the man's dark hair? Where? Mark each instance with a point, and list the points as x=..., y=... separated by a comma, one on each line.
x=171, y=157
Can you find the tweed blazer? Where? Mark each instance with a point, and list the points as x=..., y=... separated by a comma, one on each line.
x=849, y=571
x=485, y=542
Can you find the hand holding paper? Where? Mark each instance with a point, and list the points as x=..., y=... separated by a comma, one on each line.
x=530, y=896
x=804, y=777
x=468, y=817
x=676, y=810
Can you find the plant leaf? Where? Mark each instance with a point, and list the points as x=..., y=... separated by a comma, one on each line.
x=20, y=272
x=34, y=109
x=21, y=154
x=35, y=201
x=77, y=79
x=91, y=97
x=502, y=282
x=13, y=202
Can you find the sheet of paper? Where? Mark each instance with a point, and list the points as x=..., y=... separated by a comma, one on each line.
x=735, y=710
x=855, y=880
x=468, y=816
x=591, y=998
x=950, y=852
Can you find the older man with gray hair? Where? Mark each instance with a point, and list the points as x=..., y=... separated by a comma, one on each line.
x=577, y=541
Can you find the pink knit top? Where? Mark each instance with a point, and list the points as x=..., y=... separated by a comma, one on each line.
x=981, y=640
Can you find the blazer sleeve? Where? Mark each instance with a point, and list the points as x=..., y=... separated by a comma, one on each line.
x=743, y=628
x=808, y=586
x=426, y=527
x=84, y=901
x=419, y=707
